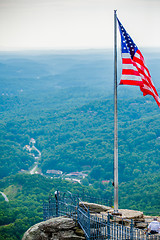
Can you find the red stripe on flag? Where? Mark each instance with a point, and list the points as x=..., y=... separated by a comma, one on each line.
x=147, y=80
x=146, y=92
x=131, y=82
x=127, y=61
x=130, y=72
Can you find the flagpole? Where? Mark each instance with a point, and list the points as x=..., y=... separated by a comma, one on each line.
x=115, y=119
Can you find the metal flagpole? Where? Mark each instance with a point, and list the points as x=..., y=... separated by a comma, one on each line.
x=115, y=119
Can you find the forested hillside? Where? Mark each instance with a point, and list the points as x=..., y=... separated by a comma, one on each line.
x=25, y=207
x=26, y=193
x=71, y=140
x=65, y=102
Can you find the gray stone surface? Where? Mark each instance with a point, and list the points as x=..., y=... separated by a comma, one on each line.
x=60, y=228
x=93, y=207
x=129, y=214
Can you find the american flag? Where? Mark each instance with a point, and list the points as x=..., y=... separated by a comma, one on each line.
x=134, y=70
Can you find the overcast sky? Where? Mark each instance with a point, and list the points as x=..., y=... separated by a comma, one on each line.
x=76, y=24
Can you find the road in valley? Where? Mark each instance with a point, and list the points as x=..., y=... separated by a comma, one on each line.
x=5, y=197
x=33, y=170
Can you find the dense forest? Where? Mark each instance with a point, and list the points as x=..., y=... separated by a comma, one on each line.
x=65, y=102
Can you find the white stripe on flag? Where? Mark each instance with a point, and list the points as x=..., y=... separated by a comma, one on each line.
x=149, y=89
x=129, y=66
x=139, y=65
x=131, y=77
x=126, y=55
x=137, y=55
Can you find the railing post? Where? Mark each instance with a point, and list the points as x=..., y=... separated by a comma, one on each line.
x=57, y=204
x=108, y=226
x=50, y=210
x=122, y=229
x=44, y=212
x=89, y=224
x=131, y=230
x=77, y=210
x=78, y=213
x=147, y=236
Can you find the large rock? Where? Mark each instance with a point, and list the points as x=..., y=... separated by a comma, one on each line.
x=141, y=225
x=124, y=213
x=93, y=207
x=129, y=214
x=60, y=228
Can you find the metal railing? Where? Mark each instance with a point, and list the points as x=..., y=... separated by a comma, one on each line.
x=60, y=206
x=101, y=226
x=92, y=199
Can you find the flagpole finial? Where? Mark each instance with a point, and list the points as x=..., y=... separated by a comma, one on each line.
x=115, y=13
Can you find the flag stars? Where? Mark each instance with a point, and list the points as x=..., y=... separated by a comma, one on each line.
x=127, y=42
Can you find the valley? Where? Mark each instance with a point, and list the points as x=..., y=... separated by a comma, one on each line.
x=56, y=132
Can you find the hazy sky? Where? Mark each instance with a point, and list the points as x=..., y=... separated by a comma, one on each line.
x=71, y=24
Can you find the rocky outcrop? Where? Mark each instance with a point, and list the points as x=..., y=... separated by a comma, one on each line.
x=60, y=228
x=125, y=215
x=96, y=208
x=63, y=228
x=129, y=214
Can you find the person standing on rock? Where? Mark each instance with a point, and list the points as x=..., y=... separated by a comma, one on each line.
x=57, y=195
x=154, y=226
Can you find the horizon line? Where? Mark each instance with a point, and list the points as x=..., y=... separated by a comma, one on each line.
x=66, y=49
